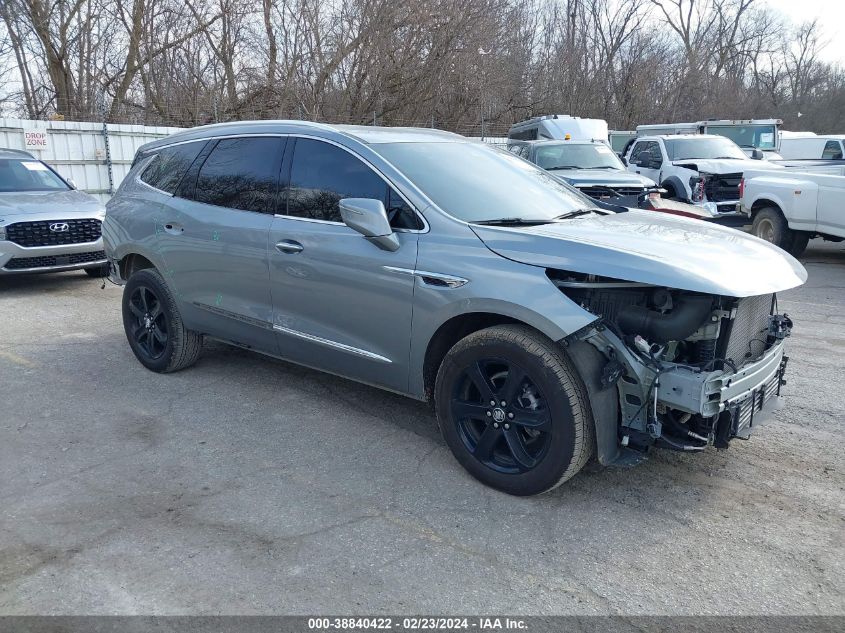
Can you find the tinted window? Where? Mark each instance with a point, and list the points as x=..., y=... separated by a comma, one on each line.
x=241, y=173
x=529, y=134
x=322, y=174
x=832, y=151
x=28, y=175
x=170, y=164
x=647, y=151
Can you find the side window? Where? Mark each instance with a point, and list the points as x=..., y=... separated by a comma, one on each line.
x=529, y=134
x=170, y=165
x=656, y=155
x=241, y=173
x=322, y=174
x=399, y=212
x=832, y=151
x=637, y=150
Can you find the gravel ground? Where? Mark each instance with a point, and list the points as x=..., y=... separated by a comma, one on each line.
x=247, y=485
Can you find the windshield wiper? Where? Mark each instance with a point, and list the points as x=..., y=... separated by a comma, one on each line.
x=513, y=221
x=603, y=167
x=576, y=213
x=562, y=167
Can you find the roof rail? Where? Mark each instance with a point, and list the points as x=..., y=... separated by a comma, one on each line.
x=18, y=152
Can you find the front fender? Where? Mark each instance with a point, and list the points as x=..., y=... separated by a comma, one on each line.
x=494, y=285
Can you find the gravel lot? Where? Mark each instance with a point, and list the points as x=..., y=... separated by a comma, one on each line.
x=248, y=485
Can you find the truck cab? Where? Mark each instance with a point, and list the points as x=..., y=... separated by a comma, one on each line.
x=702, y=169
x=758, y=138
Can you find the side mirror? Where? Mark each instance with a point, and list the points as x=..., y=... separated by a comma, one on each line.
x=757, y=154
x=369, y=218
x=623, y=159
x=71, y=183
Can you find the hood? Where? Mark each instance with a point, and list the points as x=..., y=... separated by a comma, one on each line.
x=721, y=165
x=592, y=177
x=652, y=248
x=70, y=203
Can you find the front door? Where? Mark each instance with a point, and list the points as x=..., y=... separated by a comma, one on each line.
x=647, y=160
x=338, y=303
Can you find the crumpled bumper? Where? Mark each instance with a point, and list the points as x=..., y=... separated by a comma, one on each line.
x=747, y=395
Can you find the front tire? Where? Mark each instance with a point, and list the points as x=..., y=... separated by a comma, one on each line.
x=513, y=410
x=154, y=327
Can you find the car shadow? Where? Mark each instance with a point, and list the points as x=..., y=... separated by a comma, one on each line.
x=46, y=282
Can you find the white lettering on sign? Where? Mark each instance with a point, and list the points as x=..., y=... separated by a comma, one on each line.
x=35, y=139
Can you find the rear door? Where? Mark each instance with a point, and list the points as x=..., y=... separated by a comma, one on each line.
x=340, y=303
x=216, y=231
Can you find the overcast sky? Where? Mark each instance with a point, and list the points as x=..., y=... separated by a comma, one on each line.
x=831, y=14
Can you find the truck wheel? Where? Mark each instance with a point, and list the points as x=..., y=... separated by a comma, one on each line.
x=513, y=410
x=671, y=194
x=799, y=243
x=770, y=225
x=154, y=326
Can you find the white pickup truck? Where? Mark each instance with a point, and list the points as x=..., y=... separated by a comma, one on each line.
x=788, y=207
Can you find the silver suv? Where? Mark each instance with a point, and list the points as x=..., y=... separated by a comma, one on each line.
x=543, y=330
x=45, y=224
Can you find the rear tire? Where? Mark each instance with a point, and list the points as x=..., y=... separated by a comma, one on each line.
x=799, y=244
x=770, y=224
x=153, y=325
x=513, y=410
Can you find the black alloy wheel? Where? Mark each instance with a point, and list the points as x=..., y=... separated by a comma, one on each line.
x=150, y=331
x=501, y=416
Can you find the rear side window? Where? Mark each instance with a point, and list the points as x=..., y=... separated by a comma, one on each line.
x=322, y=174
x=241, y=173
x=832, y=151
x=170, y=165
x=529, y=134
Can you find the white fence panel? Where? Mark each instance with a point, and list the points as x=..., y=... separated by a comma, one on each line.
x=78, y=150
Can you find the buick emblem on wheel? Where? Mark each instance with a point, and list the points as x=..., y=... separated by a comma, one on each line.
x=60, y=227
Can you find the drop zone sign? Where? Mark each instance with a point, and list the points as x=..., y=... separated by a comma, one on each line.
x=34, y=139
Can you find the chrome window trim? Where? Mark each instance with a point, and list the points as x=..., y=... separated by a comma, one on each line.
x=378, y=172
x=333, y=344
x=451, y=281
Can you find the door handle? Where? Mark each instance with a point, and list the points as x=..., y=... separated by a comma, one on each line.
x=289, y=246
x=173, y=228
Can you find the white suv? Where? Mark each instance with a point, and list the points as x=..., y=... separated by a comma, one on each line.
x=703, y=169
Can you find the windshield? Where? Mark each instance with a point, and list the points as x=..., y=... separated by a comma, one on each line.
x=28, y=175
x=702, y=147
x=576, y=156
x=751, y=136
x=474, y=182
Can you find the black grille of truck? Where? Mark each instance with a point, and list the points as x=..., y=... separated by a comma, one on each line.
x=50, y=261
x=31, y=234
x=609, y=192
x=722, y=187
x=745, y=338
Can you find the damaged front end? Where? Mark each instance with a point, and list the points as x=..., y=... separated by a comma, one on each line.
x=685, y=369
